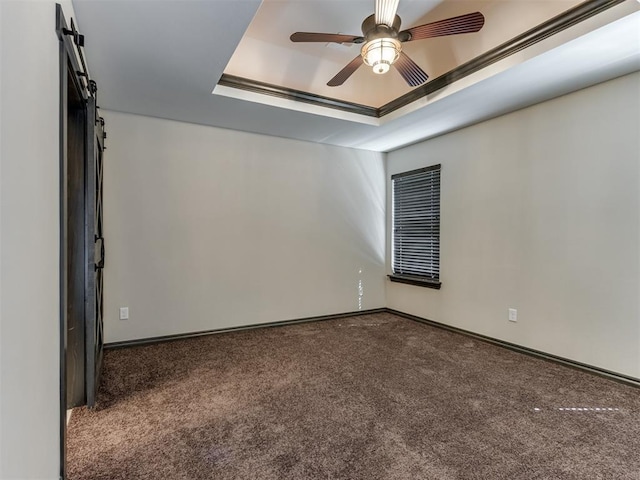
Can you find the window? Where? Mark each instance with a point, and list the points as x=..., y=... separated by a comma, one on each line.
x=416, y=227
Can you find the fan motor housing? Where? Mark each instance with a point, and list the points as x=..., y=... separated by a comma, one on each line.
x=371, y=30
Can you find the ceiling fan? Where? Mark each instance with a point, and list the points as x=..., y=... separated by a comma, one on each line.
x=382, y=41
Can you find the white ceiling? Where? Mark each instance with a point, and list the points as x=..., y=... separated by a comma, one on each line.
x=162, y=59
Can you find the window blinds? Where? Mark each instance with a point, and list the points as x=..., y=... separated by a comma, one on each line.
x=416, y=223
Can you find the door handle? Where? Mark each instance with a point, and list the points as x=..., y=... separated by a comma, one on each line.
x=100, y=264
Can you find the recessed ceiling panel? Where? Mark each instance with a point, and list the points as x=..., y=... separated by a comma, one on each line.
x=266, y=54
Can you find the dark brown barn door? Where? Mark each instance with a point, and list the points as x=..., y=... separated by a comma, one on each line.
x=82, y=246
x=81, y=239
x=75, y=248
x=95, y=250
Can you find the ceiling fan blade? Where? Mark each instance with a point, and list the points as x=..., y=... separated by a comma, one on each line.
x=346, y=72
x=325, y=37
x=410, y=71
x=471, y=22
x=386, y=11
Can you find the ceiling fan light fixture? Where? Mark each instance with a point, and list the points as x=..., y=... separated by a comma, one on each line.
x=382, y=39
x=381, y=53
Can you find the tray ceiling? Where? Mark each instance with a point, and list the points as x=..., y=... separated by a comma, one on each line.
x=266, y=54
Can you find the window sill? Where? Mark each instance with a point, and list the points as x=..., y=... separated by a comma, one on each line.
x=415, y=281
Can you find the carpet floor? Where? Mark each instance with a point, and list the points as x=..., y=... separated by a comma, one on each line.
x=367, y=397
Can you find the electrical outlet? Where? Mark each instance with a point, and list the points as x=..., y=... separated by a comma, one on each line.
x=124, y=313
x=513, y=315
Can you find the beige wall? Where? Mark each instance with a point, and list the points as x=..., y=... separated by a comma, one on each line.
x=540, y=212
x=208, y=228
x=29, y=240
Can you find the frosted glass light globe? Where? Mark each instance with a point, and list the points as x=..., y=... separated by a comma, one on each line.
x=380, y=53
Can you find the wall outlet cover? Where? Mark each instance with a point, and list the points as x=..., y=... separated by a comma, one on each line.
x=513, y=315
x=124, y=313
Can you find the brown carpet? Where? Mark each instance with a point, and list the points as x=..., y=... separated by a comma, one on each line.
x=368, y=397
